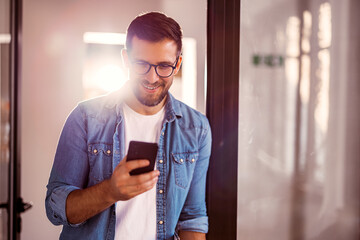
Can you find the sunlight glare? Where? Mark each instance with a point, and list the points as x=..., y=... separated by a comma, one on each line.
x=110, y=77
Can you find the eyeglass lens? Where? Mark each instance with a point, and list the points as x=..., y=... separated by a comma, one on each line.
x=161, y=70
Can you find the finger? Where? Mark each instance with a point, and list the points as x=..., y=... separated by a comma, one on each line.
x=133, y=164
x=122, y=162
x=135, y=190
x=143, y=178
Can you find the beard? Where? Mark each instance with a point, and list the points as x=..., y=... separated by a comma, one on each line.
x=151, y=100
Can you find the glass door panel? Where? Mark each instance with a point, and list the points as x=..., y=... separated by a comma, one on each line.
x=268, y=82
x=298, y=177
x=4, y=116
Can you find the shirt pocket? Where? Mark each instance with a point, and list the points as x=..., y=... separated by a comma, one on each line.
x=100, y=160
x=184, y=165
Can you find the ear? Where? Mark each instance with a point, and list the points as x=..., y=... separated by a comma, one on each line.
x=125, y=57
x=178, y=65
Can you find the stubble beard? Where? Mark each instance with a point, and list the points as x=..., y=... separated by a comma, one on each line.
x=150, y=101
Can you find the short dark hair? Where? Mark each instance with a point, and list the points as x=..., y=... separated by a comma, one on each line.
x=154, y=27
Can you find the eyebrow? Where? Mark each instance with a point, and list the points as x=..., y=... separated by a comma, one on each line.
x=159, y=63
x=165, y=63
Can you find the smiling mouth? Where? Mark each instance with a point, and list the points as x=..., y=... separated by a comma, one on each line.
x=150, y=87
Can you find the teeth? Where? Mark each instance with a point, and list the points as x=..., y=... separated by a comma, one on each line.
x=149, y=87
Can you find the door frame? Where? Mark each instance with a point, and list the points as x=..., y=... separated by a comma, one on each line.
x=14, y=226
x=222, y=108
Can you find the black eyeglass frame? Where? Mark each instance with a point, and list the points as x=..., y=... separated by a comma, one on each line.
x=157, y=65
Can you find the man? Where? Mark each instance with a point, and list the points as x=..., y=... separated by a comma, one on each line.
x=90, y=190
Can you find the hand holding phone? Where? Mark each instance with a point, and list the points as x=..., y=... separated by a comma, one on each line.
x=142, y=150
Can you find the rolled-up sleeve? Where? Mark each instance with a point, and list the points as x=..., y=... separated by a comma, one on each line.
x=70, y=168
x=193, y=216
x=56, y=204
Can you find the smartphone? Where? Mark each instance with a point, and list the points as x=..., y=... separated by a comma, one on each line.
x=142, y=150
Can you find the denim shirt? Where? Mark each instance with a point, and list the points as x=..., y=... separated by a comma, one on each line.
x=92, y=144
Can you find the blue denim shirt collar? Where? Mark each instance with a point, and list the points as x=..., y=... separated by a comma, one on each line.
x=172, y=108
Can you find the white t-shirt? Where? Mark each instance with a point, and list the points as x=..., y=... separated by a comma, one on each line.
x=136, y=218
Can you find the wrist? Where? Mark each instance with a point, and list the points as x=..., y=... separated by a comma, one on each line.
x=108, y=192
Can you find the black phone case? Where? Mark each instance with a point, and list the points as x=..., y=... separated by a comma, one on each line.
x=142, y=150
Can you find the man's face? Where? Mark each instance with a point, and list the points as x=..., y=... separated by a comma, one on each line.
x=151, y=89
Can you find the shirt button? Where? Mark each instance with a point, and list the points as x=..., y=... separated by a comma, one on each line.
x=161, y=161
x=162, y=133
x=181, y=160
x=95, y=150
x=192, y=160
x=161, y=222
x=108, y=151
x=161, y=191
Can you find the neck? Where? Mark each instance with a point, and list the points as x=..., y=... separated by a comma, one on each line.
x=138, y=107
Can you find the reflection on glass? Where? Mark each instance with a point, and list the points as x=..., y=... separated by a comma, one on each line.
x=291, y=182
x=322, y=173
x=266, y=120
x=293, y=36
x=305, y=79
x=305, y=59
x=324, y=33
x=322, y=107
x=306, y=32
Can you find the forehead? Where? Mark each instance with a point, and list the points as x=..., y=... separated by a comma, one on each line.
x=153, y=52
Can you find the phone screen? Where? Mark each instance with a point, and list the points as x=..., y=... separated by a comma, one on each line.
x=142, y=150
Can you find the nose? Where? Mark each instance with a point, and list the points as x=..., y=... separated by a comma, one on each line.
x=151, y=76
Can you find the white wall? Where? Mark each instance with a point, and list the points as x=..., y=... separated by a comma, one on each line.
x=4, y=16
x=53, y=53
x=192, y=16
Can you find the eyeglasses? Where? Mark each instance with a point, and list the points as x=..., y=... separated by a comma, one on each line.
x=162, y=70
